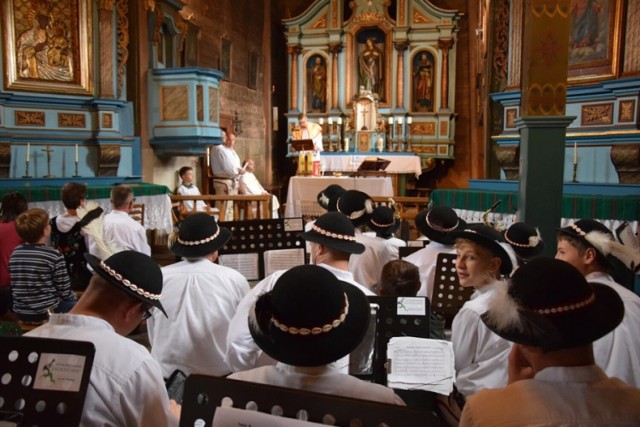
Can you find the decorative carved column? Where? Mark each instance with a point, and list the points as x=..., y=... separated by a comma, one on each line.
x=5, y=159
x=626, y=159
x=445, y=45
x=400, y=47
x=335, y=49
x=294, y=51
x=108, y=160
x=122, y=42
x=105, y=43
x=543, y=124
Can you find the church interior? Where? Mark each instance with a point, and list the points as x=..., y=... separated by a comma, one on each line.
x=503, y=110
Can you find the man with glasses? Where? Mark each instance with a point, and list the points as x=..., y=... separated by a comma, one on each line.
x=121, y=232
x=126, y=387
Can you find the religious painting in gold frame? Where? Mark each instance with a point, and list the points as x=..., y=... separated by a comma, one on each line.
x=594, y=43
x=47, y=45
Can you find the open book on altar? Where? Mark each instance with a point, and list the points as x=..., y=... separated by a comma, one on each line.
x=420, y=364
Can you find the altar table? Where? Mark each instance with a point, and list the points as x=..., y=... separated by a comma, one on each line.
x=303, y=191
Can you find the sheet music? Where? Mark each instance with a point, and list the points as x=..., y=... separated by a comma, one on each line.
x=420, y=364
x=282, y=259
x=245, y=264
x=226, y=416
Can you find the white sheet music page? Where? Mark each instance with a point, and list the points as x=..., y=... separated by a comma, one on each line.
x=420, y=364
x=233, y=417
x=282, y=259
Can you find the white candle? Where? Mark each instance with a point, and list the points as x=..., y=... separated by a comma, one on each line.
x=339, y=120
x=390, y=120
x=575, y=152
x=346, y=144
x=76, y=153
x=400, y=120
x=330, y=120
x=321, y=120
x=28, y=150
x=409, y=120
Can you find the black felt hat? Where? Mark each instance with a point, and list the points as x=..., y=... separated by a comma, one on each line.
x=383, y=221
x=525, y=240
x=328, y=198
x=436, y=224
x=590, y=231
x=549, y=304
x=335, y=231
x=309, y=318
x=198, y=235
x=133, y=272
x=356, y=205
x=491, y=239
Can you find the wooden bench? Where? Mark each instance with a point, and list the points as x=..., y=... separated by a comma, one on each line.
x=241, y=202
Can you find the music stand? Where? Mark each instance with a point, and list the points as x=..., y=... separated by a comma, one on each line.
x=44, y=380
x=373, y=165
x=302, y=145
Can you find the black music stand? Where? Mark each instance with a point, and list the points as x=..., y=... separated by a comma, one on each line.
x=47, y=380
x=389, y=323
x=203, y=394
x=302, y=145
x=373, y=165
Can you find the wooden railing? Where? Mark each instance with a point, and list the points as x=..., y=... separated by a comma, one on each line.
x=241, y=203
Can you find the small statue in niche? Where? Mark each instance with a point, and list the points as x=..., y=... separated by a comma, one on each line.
x=370, y=64
x=423, y=83
x=318, y=83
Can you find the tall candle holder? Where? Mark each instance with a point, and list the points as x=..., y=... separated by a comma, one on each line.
x=575, y=172
x=399, y=136
x=75, y=175
x=48, y=150
x=390, y=138
x=26, y=170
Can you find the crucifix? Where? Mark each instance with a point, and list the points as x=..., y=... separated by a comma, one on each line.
x=48, y=150
x=364, y=118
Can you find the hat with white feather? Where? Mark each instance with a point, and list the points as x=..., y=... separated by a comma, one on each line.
x=597, y=235
x=525, y=239
x=549, y=304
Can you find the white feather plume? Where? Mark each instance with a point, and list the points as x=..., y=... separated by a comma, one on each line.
x=512, y=256
x=368, y=206
x=95, y=230
x=535, y=240
x=324, y=200
x=601, y=241
x=503, y=311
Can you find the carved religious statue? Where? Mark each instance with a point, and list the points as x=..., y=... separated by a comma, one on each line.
x=370, y=64
x=423, y=84
x=318, y=84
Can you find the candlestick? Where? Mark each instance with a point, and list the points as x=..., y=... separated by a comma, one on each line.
x=28, y=151
x=76, y=153
x=76, y=174
x=26, y=169
x=575, y=172
x=575, y=152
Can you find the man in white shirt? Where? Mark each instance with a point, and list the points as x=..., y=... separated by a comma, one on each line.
x=333, y=241
x=552, y=315
x=126, y=386
x=588, y=245
x=121, y=232
x=226, y=169
x=200, y=298
x=308, y=321
x=380, y=249
x=435, y=224
x=249, y=184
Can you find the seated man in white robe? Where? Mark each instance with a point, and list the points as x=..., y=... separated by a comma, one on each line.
x=249, y=184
